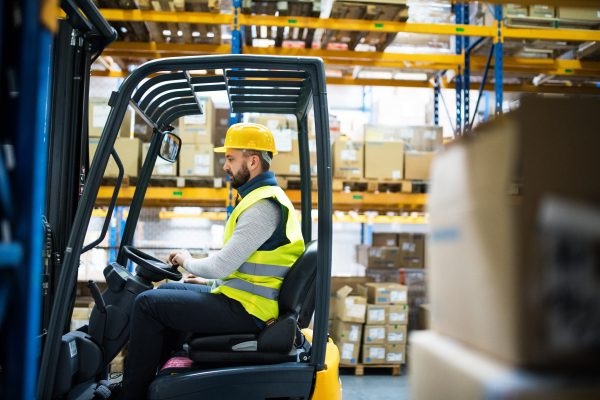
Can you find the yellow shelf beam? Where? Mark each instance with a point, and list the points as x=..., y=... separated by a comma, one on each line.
x=362, y=58
x=348, y=24
x=210, y=197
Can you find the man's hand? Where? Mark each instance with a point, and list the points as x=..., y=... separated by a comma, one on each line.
x=179, y=256
x=194, y=279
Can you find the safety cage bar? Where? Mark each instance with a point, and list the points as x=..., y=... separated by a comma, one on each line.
x=163, y=99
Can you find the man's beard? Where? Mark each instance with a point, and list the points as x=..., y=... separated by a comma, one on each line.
x=240, y=178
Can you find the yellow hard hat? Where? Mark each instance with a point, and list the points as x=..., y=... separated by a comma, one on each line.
x=248, y=136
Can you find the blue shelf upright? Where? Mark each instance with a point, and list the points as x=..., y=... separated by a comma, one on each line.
x=459, y=15
x=23, y=156
x=499, y=61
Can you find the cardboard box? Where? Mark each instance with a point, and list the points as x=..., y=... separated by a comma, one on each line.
x=384, y=160
x=398, y=314
x=541, y=11
x=385, y=240
x=98, y=115
x=196, y=160
x=198, y=129
x=375, y=334
x=396, y=334
x=338, y=282
x=415, y=138
x=80, y=317
x=384, y=275
x=412, y=247
x=349, y=307
x=386, y=293
x=332, y=306
x=348, y=159
x=161, y=167
x=373, y=353
x=442, y=368
x=350, y=332
x=513, y=257
x=129, y=154
x=222, y=118
x=424, y=317
x=515, y=10
x=578, y=13
x=376, y=314
x=349, y=351
x=378, y=257
x=395, y=353
x=141, y=130
x=275, y=121
x=417, y=164
x=117, y=364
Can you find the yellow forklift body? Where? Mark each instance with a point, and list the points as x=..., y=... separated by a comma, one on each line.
x=328, y=385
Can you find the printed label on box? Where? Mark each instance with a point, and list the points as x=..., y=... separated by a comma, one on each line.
x=391, y=242
x=164, y=169
x=396, y=174
x=430, y=135
x=377, y=333
x=397, y=317
x=349, y=301
x=312, y=146
x=195, y=119
x=273, y=124
x=99, y=116
x=140, y=129
x=348, y=155
x=224, y=121
x=283, y=139
x=294, y=169
x=354, y=331
x=160, y=161
x=408, y=247
x=376, y=314
x=201, y=159
x=356, y=310
x=398, y=295
x=201, y=170
x=394, y=357
x=347, y=350
x=375, y=252
x=395, y=337
x=407, y=133
x=375, y=352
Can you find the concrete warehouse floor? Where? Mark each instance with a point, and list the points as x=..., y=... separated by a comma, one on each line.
x=375, y=385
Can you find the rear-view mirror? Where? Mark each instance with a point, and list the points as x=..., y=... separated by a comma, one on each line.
x=169, y=147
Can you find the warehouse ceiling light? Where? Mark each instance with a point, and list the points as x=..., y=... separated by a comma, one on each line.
x=210, y=34
x=195, y=34
x=405, y=76
x=167, y=32
x=123, y=29
x=225, y=36
x=179, y=33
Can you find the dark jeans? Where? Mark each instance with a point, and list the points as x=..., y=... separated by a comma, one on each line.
x=160, y=320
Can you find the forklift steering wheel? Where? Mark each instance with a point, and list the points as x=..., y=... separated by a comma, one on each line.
x=151, y=267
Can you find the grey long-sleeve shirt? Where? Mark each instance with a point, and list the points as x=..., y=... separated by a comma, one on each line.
x=254, y=227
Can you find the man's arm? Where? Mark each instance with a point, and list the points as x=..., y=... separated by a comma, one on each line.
x=254, y=227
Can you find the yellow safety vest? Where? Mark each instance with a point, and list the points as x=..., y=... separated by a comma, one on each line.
x=257, y=282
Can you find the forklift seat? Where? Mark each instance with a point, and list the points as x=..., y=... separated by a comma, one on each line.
x=275, y=343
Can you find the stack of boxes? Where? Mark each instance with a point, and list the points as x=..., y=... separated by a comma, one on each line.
x=346, y=328
x=515, y=289
x=385, y=331
x=567, y=13
x=390, y=153
x=196, y=157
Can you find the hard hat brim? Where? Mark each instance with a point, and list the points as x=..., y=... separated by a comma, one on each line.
x=224, y=149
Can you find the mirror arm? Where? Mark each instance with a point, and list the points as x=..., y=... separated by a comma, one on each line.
x=142, y=114
x=111, y=207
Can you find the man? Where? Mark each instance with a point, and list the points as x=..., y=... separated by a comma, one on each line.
x=232, y=291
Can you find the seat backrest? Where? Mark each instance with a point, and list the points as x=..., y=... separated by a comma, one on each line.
x=297, y=293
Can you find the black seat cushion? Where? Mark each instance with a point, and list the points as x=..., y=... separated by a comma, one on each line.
x=198, y=341
x=297, y=285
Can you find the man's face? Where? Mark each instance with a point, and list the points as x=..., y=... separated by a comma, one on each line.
x=236, y=167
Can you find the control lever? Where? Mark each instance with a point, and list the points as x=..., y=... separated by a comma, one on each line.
x=97, y=296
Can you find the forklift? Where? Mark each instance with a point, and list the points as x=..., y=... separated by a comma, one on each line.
x=285, y=360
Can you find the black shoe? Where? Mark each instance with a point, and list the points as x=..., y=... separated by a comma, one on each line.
x=108, y=391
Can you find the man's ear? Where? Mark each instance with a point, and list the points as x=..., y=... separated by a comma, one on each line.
x=254, y=162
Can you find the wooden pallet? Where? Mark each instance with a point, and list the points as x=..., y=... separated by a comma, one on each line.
x=282, y=8
x=187, y=182
x=359, y=369
x=380, y=11
x=378, y=185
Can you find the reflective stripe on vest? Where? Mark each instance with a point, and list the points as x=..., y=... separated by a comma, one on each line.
x=277, y=271
x=257, y=282
x=245, y=286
